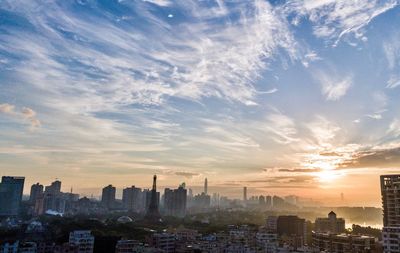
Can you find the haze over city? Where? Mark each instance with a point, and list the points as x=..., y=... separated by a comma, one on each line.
x=283, y=97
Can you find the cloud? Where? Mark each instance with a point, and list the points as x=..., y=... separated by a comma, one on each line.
x=394, y=128
x=334, y=19
x=146, y=65
x=323, y=131
x=332, y=87
x=282, y=128
x=186, y=174
x=7, y=108
x=393, y=82
x=25, y=113
x=30, y=115
x=163, y=3
x=300, y=170
x=383, y=158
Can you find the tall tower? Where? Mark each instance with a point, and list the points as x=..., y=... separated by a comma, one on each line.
x=152, y=212
x=205, y=186
x=390, y=185
x=245, y=194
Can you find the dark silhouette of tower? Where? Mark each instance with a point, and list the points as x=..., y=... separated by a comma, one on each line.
x=152, y=212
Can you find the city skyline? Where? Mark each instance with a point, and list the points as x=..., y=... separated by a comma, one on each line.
x=281, y=97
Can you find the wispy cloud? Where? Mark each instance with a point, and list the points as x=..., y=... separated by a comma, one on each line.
x=333, y=19
x=333, y=87
x=25, y=113
x=147, y=67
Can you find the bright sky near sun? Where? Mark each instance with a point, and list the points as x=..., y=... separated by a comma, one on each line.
x=284, y=97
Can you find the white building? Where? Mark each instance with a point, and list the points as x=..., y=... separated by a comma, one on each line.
x=83, y=239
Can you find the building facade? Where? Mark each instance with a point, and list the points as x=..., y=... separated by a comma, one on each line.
x=390, y=191
x=175, y=202
x=332, y=224
x=108, y=196
x=83, y=240
x=11, y=189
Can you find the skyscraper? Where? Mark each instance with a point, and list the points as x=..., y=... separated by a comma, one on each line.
x=36, y=191
x=175, y=201
x=11, y=189
x=108, y=196
x=245, y=194
x=132, y=198
x=152, y=212
x=390, y=190
x=206, y=186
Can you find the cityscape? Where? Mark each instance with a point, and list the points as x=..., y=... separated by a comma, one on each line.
x=153, y=221
x=200, y=126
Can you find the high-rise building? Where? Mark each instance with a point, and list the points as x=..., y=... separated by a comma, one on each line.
x=205, y=186
x=83, y=240
x=293, y=228
x=245, y=194
x=108, y=196
x=11, y=189
x=175, y=201
x=132, y=199
x=261, y=200
x=332, y=224
x=390, y=190
x=36, y=191
x=153, y=213
x=54, y=188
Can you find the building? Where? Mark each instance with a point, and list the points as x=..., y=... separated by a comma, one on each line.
x=244, y=195
x=261, y=200
x=126, y=246
x=292, y=228
x=108, y=196
x=11, y=189
x=342, y=243
x=53, y=188
x=9, y=247
x=83, y=240
x=202, y=201
x=132, y=199
x=153, y=214
x=164, y=241
x=36, y=191
x=27, y=247
x=272, y=223
x=175, y=202
x=390, y=191
x=332, y=224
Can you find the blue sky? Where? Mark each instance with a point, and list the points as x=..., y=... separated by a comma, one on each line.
x=280, y=96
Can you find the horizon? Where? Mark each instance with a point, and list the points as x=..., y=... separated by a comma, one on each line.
x=283, y=97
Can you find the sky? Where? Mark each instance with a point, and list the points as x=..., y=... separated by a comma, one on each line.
x=284, y=97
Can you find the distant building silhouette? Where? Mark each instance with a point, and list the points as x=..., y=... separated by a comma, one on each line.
x=205, y=186
x=245, y=194
x=11, y=189
x=108, y=196
x=132, y=199
x=153, y=213
x=36, y=191
x=175, y=201
x=54, y=188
